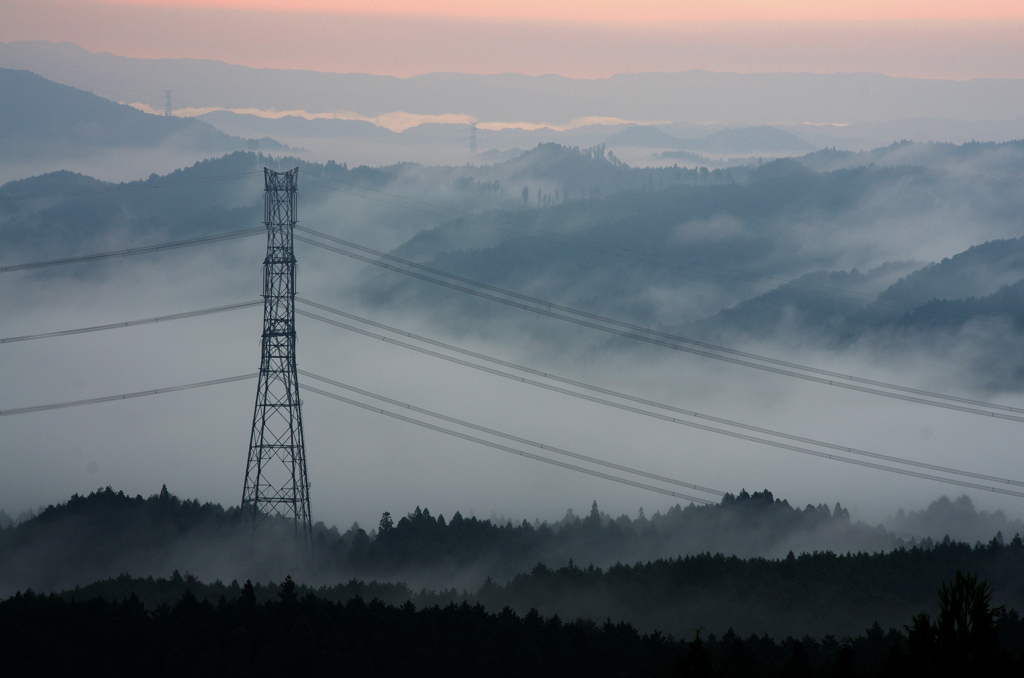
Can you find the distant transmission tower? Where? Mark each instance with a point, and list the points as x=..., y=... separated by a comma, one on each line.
x=276, y=482
x=472, y=139
x=167, y=102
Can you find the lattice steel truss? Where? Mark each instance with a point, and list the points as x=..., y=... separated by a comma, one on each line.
x=276, y=482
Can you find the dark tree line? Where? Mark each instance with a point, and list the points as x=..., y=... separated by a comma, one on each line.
x=744, y=524
x=807, y=595
x=107, y=533
x=47, y=635
x=592, y=566
x=298, y=632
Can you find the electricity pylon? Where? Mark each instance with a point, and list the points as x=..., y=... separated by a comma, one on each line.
x=276, y=482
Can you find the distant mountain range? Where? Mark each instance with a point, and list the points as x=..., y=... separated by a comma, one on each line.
x=296, y=126
x=41, y=118
x=689, y=96
x=44, y=119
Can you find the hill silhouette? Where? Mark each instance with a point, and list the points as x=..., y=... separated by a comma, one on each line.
x=763, y=140
x=41, y=118
x=574, y=567
x=289, y=627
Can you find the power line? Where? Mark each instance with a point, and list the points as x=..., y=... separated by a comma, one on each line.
x=626, y=254
x=506, y=436
x=560, y=312
x=606, y=391
x=219, y=237
x=719, y=431
x=647, y=257
x=505, y=448
x=123, y=396
x=133, y=323
x=546, y=375
x=467, y=218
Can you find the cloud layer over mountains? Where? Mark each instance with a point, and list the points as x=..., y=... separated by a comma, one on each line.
x=901, y=264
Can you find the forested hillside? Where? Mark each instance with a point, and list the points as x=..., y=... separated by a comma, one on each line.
x=250, y=625
x=838, y=577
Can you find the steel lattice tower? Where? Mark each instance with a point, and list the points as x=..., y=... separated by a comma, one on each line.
x=276, y=482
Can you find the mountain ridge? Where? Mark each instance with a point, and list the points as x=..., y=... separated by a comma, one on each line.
x=692, y=96
x=41, y=117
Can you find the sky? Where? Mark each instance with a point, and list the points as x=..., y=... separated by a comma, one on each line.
x=619, y=11
x=939, y=39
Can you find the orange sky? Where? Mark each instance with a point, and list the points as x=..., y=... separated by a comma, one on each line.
x=935, y=39
x=631, y=11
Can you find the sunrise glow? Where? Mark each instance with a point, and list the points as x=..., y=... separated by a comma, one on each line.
x=621, y=11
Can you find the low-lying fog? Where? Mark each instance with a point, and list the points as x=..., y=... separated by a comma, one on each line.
x=362, y=464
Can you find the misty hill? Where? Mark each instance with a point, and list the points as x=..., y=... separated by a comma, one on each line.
x=764, y=140
x=866, y=136
x=643, y=136
x=573, y=173
x=998, y=159
x=638, y=254
x=743, y=141
x=180, y=204
x=90, y=538
x=985, y=281
x=40, y=118
x=225, y=193
x=210, y=196
x=698, y=232
x=735, y=220
x=107, y=533
x=694, y=159
x=495, y=156
x=243, y=124
x=971, y=301
x=702, y=251
x=579, y=174
x=429, y=143
x=975, y=272
x=957, y=517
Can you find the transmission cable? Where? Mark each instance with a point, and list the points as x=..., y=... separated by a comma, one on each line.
x=713, y=429
x=124, y=396
x=555, y=311
x=219, y=237
x=602, y=390
x=133, y=323
x=506, y=436
x=645, y=257
x=640, y=328
x=547, y=375
x=506, y=448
